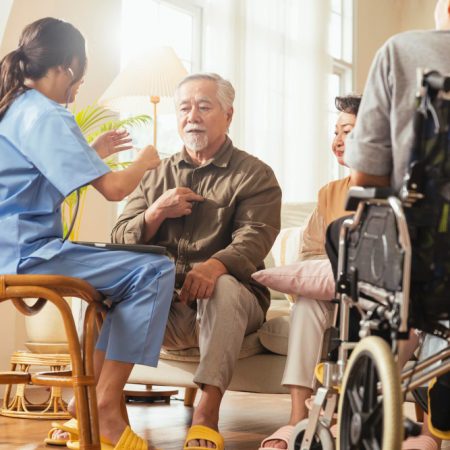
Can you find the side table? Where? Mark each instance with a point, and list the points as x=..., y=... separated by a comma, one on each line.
x=19, y=405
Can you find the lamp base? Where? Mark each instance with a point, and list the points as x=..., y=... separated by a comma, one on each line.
x=148, y=393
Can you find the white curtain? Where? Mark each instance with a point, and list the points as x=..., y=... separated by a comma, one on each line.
x=274, y=52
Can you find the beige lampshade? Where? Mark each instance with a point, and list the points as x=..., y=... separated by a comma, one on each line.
x=157, y=72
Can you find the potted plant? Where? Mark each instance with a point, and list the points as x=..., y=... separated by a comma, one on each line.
x=93, y=121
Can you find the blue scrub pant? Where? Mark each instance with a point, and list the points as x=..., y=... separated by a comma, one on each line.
x=139, y=286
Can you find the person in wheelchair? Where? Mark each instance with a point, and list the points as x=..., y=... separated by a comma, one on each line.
x=310, y=318
x=379, y=149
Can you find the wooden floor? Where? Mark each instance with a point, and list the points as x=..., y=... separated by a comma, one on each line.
x=245, y=420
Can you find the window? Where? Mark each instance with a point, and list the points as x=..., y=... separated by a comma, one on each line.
x=166, y=22
x=173, y=23
x=150, y=23
x=340, y=80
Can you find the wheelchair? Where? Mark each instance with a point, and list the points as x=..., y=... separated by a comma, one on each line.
x=394, y=269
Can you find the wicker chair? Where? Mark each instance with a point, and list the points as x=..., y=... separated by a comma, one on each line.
x=54, y=288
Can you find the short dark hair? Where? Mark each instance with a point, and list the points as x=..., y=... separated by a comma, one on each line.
x=348, y=103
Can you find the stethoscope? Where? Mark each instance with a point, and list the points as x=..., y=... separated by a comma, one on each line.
x=77, y=204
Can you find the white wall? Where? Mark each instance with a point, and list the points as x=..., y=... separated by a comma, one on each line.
x=375, y=22
x=5, y=8
x=378, y=20
x=99, y=22
x=417, y=14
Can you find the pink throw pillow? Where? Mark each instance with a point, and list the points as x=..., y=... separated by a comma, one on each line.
x=311, y=279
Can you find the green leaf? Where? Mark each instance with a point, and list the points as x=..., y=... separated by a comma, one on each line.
x=128, y=123
x=94, y=120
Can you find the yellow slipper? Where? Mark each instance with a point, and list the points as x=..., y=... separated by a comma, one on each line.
x=318, y=372
x=197, y=432
x=70, y=427
x=128, y=441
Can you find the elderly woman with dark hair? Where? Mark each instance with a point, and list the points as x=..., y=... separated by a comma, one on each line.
x=310, y=318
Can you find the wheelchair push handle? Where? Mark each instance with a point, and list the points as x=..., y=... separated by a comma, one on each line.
x=357, y=194
x=436, y=81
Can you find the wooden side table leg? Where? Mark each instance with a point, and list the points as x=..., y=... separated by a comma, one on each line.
x=189, y=396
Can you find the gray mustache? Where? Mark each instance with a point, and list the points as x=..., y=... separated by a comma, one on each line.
x=187, y=129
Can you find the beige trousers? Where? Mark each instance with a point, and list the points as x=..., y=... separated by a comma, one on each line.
x=217, y=327
x=308, y=321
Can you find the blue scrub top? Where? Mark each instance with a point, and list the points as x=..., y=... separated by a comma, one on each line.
x=43, y=158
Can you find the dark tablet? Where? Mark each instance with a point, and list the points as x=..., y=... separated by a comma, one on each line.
x=141, y=248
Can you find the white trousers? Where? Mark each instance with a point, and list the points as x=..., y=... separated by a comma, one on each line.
x=308, y=322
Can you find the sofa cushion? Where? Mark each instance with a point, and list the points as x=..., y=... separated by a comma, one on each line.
x=294, y=214
x=287, y=246
x=310, y=279
x=278, y=308
x=285, y=250
x=251, y=346
x=274, y=335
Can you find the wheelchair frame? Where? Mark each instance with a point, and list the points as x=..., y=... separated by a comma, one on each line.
x=387, y=303
x=389, y=306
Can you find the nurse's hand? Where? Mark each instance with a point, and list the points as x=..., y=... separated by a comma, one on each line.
x=112, y=142
x=149, y=157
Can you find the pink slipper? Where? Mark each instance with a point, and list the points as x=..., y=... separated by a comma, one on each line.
x=282, y=434
x=420, y=443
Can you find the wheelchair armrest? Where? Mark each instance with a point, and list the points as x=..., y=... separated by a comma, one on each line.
x=357, y=194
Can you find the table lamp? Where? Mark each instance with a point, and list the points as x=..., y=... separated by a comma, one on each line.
x=146, y=79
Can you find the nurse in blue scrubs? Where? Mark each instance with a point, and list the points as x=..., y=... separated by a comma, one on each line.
x=43, y=158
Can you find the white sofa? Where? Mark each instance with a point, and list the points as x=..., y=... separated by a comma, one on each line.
x=260, y=367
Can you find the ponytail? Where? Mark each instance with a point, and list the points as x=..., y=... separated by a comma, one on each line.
x=12, y=79
x=44, y=44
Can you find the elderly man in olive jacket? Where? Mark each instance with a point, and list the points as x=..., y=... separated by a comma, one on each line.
x=217, y=210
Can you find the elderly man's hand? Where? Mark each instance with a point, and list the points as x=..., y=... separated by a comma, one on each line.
x=172, y=204
x=201, y=280
x=176, y=203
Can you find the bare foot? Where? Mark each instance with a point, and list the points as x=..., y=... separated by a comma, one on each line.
x=60, y=434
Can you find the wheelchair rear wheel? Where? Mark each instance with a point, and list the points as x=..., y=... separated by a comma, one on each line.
x=370, y=405
x=323, y=440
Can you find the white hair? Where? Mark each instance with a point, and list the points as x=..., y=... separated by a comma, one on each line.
x=225, y=90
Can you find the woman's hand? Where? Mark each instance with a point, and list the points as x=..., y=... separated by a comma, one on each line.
x=149, y=157
x=112, y=142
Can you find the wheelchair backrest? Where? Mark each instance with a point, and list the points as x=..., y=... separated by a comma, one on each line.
x=426, y=195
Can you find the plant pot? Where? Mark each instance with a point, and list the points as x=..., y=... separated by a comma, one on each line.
x=45, y=331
